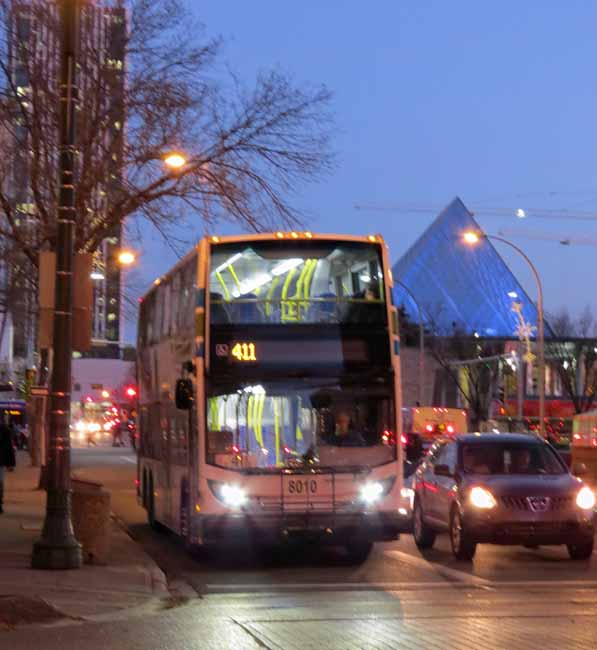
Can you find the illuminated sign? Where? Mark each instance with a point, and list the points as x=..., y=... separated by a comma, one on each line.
x=242, y=351
x=296, y=352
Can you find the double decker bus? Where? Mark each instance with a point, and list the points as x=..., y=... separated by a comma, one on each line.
x=269, y=393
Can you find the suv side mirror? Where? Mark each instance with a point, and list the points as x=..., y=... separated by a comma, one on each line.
x=442, y=470
x=579, y=469
x=184, y=394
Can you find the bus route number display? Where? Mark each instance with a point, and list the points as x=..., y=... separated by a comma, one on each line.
x=243, y=351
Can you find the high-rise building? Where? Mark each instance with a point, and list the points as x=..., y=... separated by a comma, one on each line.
x=33, y=56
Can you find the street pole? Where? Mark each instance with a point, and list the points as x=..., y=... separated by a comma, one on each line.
x=540, y=329
x=520, y=384
x=57, y=548
x=421, y=342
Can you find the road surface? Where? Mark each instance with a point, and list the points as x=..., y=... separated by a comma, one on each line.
x=509, y=597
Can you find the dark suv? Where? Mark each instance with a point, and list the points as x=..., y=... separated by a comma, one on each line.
x=501, y=489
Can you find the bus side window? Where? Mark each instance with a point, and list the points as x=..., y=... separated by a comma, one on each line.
x=155, y=433
x=166, y=309
x=175, y=302
x=157, y=314
x=143, y=431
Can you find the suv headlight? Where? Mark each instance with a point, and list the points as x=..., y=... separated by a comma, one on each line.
x=373, y=491
x=482, y=498
x=585, y=498
x=229, y=494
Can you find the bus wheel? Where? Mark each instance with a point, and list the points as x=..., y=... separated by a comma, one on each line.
x=184, y=513
x=358, y=551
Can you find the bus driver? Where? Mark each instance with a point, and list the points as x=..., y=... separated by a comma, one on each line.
x=345, y=434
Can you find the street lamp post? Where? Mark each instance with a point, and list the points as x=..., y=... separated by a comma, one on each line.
x=420, y=390
x=57, y=547
x=473, y=238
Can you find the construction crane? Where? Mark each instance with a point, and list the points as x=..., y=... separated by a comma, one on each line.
x=564, y=240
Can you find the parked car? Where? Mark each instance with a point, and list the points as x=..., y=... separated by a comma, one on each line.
x=501, y=489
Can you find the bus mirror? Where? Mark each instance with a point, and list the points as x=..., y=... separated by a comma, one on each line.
x=184, y=394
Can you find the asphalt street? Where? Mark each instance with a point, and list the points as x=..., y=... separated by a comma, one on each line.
x=509, y=597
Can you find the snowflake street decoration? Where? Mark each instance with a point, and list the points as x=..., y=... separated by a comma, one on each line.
x=529, y=357
x=524, y=331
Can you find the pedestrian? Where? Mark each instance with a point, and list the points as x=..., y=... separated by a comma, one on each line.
x=7, y=457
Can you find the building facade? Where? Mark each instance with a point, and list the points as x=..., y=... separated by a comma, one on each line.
x=480, y=331
x=33, y=56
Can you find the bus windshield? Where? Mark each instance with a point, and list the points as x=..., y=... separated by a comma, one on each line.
x=303, y=423
x=296, y=282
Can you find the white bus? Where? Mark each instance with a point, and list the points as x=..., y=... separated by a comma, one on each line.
x=269, y=393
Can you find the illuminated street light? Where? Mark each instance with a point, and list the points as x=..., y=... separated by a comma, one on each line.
x=126, y=258
x=175, y=160
x=471, y=238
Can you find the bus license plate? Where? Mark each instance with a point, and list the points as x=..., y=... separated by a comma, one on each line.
x=301, y=487
x=316, y=490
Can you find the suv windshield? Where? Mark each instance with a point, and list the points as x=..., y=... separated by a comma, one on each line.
x=300, y=423
x=510, y=458
x=290, y=283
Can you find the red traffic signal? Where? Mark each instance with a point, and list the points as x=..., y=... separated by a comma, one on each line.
x=131, y=391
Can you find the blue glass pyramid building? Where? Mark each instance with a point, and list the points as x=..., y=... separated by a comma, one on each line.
x=459, y=286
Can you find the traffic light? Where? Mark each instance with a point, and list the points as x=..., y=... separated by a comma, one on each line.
x=131, y=392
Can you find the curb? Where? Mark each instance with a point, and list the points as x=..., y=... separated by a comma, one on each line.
x=157, y=578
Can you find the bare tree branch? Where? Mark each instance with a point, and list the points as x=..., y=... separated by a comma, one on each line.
x=249, y=149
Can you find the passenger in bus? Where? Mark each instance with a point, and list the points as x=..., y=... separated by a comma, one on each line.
x=345, y=435
x=366, y=307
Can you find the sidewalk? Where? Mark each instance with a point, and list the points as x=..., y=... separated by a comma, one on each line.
x=131, y=578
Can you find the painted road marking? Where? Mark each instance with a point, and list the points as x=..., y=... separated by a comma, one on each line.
x=331, y=586
x=268, y=588
x=129, y=460
x=444, y=571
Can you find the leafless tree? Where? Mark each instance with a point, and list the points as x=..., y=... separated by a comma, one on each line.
x=574, y=354
x=471, y=365
x=248, y=149
x=15, y=283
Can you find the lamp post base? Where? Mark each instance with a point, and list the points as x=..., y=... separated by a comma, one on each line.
x=57, y=548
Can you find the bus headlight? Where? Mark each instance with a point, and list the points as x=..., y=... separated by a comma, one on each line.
x=585, y=499
x=229, y=494
x=233, y=495
x=373, y=491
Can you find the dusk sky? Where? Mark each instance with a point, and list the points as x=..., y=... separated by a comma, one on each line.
x=492, y=102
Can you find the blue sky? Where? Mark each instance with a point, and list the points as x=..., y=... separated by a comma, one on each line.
x=495, y=102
